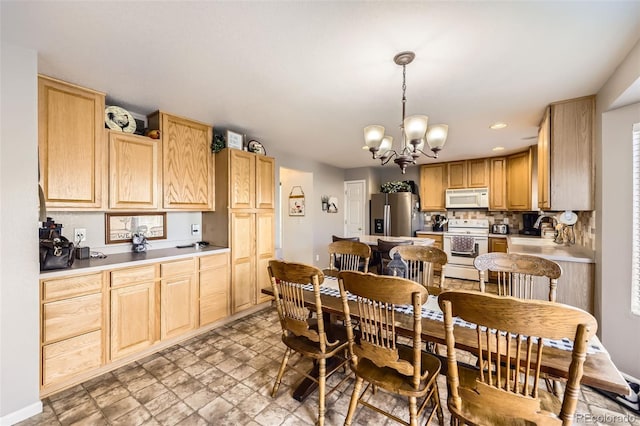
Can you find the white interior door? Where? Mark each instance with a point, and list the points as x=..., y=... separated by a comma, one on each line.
x=354, y=212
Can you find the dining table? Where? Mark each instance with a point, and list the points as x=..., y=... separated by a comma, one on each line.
x=599, y=371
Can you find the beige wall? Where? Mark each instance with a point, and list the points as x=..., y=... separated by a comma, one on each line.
x=619, y=328
x=19, y=269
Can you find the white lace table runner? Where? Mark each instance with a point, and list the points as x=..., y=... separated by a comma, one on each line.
x=431, y=310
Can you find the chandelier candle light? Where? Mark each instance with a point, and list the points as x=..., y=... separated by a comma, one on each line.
x=414, y=131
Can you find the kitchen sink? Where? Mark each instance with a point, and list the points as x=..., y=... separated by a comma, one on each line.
x=533, y=241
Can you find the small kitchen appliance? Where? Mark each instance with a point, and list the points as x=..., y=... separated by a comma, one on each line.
x=500, y=228
x=438, y=223
x=528, y=224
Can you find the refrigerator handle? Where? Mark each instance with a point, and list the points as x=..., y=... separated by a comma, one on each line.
x=387, y=220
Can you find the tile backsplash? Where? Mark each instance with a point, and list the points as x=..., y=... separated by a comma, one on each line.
x=585, y=227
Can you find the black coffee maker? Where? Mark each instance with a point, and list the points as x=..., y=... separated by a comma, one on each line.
x=438, y=222
x=528, y=222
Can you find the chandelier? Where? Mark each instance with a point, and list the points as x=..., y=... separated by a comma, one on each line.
x=414, y=131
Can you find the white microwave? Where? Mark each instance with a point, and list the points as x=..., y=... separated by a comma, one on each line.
x=467, y=198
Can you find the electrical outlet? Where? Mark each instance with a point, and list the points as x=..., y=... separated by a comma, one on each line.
x=317, y=258
x=79, y=234
x=195, y=229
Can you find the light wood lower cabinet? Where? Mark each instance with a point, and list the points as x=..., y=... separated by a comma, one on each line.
x=214, y=288
x=178, y=301
x=243, y=261
x=496, y=245
x=72, y=327
x=95, y=322
x=132, y=319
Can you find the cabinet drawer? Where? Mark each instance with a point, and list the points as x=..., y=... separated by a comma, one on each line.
x=215, y=261
x=70, y=317
x=71, y=287
x=70, y=357
x=181, y=267
x=133, y=275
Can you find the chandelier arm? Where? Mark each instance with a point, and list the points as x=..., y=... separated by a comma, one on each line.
x=384, y=161
x=434, y=155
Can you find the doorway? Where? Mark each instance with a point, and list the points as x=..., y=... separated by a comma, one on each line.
x=296, y=232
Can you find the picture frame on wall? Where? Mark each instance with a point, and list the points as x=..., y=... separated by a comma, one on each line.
x=235, y=140
x=121, y=227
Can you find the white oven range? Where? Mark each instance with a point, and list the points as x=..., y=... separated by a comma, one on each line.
x=464, y=240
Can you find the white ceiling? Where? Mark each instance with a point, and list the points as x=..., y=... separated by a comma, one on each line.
x=307, y=76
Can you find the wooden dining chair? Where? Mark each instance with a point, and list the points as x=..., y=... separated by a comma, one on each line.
x=520, y=275
x=313, y=338
x=345, y=255
x=421, y=262
x=376, y=355
x=508, y=333
x=381, y=255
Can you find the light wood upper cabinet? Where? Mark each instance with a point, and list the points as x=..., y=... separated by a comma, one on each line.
x=519, y=181
x=134, y=171
x=265, y=181
x=498, y=184
x=433, y=182
x=565, y=155
x=457, y=174
x=187, y=162
x=242, y=179
x=71, y=145
x=468, y=173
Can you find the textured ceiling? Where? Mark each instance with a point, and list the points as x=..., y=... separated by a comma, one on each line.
x=307, y=76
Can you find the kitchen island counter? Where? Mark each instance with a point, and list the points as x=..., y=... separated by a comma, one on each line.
x=549, y=250
x=372, y=240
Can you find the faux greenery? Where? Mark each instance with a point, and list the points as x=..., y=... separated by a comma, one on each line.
x=218, y=143
x=397, y=186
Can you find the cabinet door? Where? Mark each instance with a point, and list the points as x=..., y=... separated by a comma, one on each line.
x=242, y=176
x=243, y=277
x=457, y=174
x=134, y=171
x=178, y=305
x=214, y=288
x=571, y=155
x=187, y=165
x=70, y=357
x=433, y=180
x=133, y=316
x=519, y=181
x=498, y=184
x=478, y=173
x=265, y=251
x=71, y=145
x=496, y=245
x=544, y=170
x=265, y=182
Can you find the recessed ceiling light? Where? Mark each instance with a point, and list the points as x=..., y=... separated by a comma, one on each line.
x=496, y=126
x=498, y=148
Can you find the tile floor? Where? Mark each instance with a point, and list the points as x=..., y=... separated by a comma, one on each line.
x=224, y=377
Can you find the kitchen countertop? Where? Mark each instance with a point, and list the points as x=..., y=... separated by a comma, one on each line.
x=372, y=240
x=131, y=259
x=557, y=252
x=430, y=232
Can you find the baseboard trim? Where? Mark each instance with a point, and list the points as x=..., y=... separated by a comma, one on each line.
x=21, y=414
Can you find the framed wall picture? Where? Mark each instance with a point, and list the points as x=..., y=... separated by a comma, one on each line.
x=234, y=140
x=120, y=227
x=296, y=201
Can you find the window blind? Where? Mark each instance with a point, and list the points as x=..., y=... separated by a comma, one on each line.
x=635, y=252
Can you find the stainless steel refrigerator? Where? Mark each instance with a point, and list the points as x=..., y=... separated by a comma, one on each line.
x=396, y=214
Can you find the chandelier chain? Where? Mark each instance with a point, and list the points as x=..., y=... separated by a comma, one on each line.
x=404, y=97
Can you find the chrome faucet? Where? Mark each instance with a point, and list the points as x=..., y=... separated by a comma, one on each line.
x=542, y=216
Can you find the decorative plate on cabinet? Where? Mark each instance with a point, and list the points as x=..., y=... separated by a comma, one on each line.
x=117, y=118
x=256, y=147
